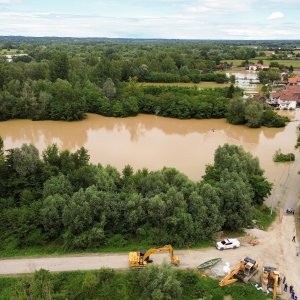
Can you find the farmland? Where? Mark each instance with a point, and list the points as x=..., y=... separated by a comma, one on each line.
x=286, y=62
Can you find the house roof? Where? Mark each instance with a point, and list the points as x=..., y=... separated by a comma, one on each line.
x=262, y=66
x=294, y=79
x=291, y=88
x=291, y=93
x=259, y=97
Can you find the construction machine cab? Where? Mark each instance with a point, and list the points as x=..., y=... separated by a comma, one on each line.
x=250, y=264
x=243, y=271
x=271, y=278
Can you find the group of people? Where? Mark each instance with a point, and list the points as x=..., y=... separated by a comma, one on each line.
x=291, y=289
x=290, y=211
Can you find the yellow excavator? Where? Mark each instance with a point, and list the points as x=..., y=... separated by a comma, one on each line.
x=270, y=278
x=141, y=259
x=243, y=271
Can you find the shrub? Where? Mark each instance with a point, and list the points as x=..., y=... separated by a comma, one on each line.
x=281, y=157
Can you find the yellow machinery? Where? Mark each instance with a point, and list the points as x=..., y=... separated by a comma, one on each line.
x=140, y=259
x=243, y=271
x=270, y=278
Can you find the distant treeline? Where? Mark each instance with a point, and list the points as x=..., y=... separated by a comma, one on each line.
x=53, y=84
x=63, y=198
x=41, y=99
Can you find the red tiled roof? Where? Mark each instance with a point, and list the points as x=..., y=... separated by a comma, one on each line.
x=289, y=94
x=293, y=80
x=295, y=89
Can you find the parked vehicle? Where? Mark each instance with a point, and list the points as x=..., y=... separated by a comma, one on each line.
x=228, y=244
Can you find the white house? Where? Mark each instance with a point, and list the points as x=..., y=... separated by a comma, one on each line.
x=285, y=99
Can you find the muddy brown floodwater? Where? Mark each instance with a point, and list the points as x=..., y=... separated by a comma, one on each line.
x=154, y=142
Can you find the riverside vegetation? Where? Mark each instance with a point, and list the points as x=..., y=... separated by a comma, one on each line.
x=281, y=157
x=151, y=283
x=61, y=198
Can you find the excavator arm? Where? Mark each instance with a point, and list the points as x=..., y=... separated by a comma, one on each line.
x=167, y=248
x=139, y=260
x=275, y=278
x=229, y=278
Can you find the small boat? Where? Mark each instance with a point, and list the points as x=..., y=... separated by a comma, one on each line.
x=209, y=263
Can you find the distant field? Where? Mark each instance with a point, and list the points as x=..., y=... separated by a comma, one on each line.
x=203, y=84
x=11, y=51
x=294, y=62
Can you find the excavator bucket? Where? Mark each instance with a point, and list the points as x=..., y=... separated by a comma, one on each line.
x=175, y=260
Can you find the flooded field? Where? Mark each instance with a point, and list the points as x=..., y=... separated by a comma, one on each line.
x=247, y=80
x=154, y=142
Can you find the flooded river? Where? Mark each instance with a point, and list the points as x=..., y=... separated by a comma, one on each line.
x=154, y=142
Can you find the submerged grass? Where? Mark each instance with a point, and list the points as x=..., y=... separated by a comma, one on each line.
x=264, y=218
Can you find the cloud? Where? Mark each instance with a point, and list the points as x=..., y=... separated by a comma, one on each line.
x=219, y=6
x=9, y=1
x=275, y=15
x=179, y=26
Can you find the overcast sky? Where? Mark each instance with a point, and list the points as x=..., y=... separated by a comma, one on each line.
x=186, y=19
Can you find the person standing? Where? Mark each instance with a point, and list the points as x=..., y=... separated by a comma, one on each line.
x=294, y=239
x=291, y=288
x=285, y=287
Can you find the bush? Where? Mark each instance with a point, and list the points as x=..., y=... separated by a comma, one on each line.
x=150, y=283
x=281, y=157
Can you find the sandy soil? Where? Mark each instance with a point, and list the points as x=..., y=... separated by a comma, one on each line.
x=275, y=249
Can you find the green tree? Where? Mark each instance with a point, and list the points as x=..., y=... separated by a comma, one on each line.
x=25, y=160
x=109, y=89
x=230, y=91
x=66, y=104
x=84, y=217
x=158, y=283
x=51, y=214
x=59, y=67
x=236, y=196
x=236, y=111
x=57, y=185
x=253, y=114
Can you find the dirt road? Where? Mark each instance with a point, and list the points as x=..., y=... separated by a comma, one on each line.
x=276, y=249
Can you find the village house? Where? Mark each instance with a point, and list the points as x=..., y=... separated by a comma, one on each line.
x=294, y=80
x=257, y=67
x=288, y=98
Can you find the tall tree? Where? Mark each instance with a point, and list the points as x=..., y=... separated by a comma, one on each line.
x=59, y=67
x=253, y=114
x=109, y=89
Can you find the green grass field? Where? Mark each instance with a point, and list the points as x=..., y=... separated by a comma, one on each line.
x=11, y=51
x=295, y=63
x=203, y=84
x=56, y=249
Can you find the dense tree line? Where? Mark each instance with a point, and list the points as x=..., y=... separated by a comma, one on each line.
x=41, y=99
x=153, y=283
x=254, y=114
x=62, y=197
x=64, y=81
